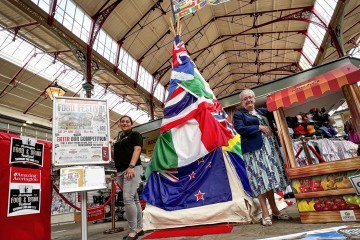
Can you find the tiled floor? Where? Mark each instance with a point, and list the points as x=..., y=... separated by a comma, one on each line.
x=243, y=232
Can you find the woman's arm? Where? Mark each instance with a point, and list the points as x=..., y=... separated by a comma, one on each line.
x=268, y=130
x=137, y=142
x=130, y=171
x=241, y=128
x=135, y=155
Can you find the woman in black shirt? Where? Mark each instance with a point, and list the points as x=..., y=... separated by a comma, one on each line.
x=127, y=151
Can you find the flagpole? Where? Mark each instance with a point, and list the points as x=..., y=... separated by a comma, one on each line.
x=172, y=10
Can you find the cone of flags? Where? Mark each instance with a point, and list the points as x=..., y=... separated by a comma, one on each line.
x=188, y=162
x=194, y=122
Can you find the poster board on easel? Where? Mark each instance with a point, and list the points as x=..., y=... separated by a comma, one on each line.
x=82, y=178
x=81, y=132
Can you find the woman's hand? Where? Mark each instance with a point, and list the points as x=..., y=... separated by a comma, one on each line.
x=129, y=173
x=178, y=27
x=265, y=129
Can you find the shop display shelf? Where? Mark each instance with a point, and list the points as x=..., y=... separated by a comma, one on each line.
x=326, y=193
x=324, y=168
x=324, y=217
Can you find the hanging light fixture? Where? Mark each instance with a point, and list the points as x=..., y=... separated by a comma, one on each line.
x=54, y=91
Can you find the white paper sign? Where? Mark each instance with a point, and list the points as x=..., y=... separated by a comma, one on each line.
x=24, y=191
x=355, y=181
x=81, y=131
x=82, y=178
x=348, y=215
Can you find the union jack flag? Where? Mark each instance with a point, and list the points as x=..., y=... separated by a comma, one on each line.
x=180, y=55
x=170, y=174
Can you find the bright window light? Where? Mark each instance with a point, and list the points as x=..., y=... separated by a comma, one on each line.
x=317, y=33
x=71, y=16
x=20, y=51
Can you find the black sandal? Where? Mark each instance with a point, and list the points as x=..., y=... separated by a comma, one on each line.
x=141, y=233
x=131, y=238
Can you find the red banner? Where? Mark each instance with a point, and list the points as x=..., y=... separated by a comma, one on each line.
x=25, y=182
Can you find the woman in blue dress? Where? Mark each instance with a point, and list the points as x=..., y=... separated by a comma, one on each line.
x=264, y=164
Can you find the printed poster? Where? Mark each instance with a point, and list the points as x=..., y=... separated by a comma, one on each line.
x=81, y=131
x=24, y=191
x=82, y=178
x=26, y=150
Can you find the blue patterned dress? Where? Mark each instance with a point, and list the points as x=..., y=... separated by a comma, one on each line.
x=264, y=166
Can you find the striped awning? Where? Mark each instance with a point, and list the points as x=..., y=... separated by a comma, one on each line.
x=329, y=81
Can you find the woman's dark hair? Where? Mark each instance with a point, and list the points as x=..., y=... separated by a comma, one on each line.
x=126, y=116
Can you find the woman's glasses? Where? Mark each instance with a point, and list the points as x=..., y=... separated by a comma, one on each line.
x=247, y=98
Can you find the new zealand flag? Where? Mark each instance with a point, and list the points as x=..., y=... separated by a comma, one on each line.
x=203, y=182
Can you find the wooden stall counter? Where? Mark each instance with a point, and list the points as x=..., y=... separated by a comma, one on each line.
x=323, y=190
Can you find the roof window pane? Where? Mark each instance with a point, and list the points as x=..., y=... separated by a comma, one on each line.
x=79, y=16
x=76, y=20
x=325, y=8
x=304, y=64
x=70, y=8
x=44, y=5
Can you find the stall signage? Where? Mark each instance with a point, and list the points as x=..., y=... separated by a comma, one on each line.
x=348, y=215
x=355, y=181
x=150, y=144
x=80, y=131
x=308, y=84
x=95, y=213
x=26, y=150
x=24, y=191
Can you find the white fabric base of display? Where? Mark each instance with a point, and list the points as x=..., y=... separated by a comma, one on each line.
x=234, y=211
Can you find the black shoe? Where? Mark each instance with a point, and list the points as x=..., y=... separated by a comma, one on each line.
x=130, y=238
x=141, y=233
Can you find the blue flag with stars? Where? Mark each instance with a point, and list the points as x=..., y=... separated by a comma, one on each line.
x=203, y=182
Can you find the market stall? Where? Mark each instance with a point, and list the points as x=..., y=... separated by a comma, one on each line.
x=319, y=161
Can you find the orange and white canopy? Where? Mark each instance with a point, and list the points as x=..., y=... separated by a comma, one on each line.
x=330, y=81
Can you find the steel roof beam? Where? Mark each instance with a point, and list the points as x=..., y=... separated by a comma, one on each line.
x=252, y=73
x=296, y=16
x=249, y=34
x=227, y=64
x=253, y=63
x=288, y=68
x=33, y=11
x=302, y=15
x=97, y=22
x=239, y=15
x=52, y=11
x=343, y=34
x=13, y=79
x=264, y=33
x=156, y=5
x=142, y=57
x=20, y=26
x=335, y=22
x=43, y=92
